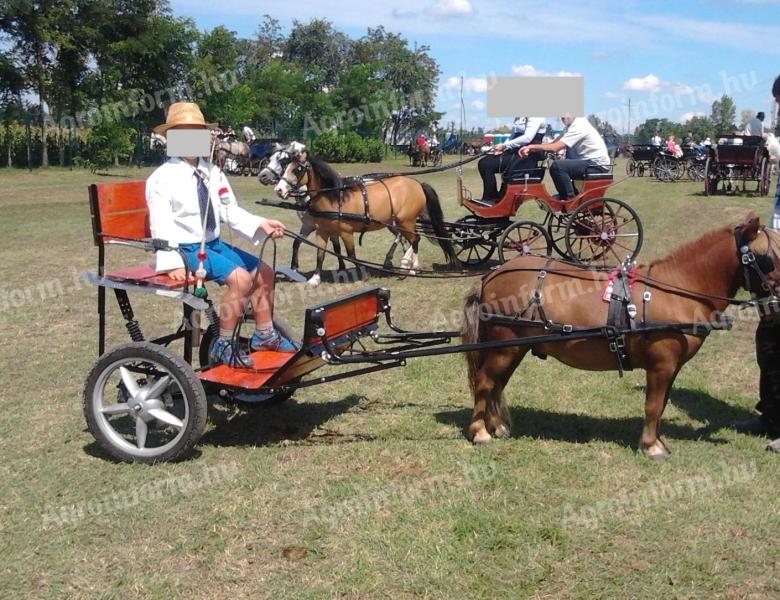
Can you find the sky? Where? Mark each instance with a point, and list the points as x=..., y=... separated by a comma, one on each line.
x=670, y=58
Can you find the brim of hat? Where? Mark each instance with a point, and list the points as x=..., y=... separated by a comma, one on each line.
x=161, y=129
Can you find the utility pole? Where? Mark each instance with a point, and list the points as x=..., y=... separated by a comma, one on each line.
x=628, y=131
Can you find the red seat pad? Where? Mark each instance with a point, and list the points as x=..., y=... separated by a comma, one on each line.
x=147, y=275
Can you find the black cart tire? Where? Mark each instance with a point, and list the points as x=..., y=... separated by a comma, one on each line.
x=474, y=240
x=148, y=394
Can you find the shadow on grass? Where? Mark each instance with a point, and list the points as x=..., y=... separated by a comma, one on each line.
x=580, y=428
x=269, y=425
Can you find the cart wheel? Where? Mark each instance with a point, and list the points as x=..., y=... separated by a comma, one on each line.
x=640, y=170
x=556, y=231
x=665, y=170
x=603, y=231
x=143, y=403
x=522, y=239
x=254, y=169
x=474, y=240
x=696, y=171
x=631, y=168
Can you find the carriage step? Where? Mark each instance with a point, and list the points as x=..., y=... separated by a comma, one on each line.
x=266, y=364
x=290, y=274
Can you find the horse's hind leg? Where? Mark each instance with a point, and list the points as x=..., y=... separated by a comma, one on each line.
x=337, y=249
x=490, y=412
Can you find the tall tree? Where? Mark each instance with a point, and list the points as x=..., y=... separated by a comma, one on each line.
x=317, y=46
x=11, y=87
x=724, y=113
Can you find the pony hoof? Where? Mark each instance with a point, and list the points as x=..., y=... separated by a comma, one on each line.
x=656, y=455
x=502, y=431
x=313, y=282
x=482, y=437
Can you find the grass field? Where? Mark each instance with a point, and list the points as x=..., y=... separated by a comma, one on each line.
x=367, y=488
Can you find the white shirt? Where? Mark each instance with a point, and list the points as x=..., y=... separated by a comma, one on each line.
x=249, y=135
x=585, y=143
x=656, y=140
x=754, y=127
x=174, y=210
x=532, y=127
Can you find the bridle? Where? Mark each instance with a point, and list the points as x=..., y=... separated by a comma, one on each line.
x=761, y=266
x=283, y=162
x=300, y=170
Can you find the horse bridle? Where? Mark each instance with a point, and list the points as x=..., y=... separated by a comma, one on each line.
x=760, y=265
x=295, y=186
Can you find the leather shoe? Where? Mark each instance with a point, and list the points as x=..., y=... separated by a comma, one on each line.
x=758, y=425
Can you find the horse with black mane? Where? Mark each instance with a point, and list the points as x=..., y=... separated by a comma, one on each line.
x=680, y=300
x=343, y=207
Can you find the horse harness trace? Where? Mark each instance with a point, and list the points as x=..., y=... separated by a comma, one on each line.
x=622, y=312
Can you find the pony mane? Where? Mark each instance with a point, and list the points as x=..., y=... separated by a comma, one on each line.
x=693, y=249
x=329, y=178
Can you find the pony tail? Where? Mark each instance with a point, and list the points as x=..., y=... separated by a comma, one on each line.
x=471, y=331
x=436, y=217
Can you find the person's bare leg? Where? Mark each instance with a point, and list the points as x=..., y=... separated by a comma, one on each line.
x=263, y=296
x=239, y=285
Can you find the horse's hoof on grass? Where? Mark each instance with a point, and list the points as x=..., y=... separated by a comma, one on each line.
x=656, y=455
x=482, y=437
x=502, y=431
x=313, y=282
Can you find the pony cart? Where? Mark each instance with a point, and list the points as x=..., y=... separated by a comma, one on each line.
x=735, y=159
x=589, y=228
x=145, y=403
x=640, y=159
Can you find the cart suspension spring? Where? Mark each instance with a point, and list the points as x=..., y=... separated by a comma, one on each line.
x=134, y=329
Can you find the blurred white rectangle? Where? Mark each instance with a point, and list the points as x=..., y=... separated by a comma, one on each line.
x=189, y=142
x=536, y=97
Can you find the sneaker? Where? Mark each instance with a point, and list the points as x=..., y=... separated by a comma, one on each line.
x=272, y=341
x=758, y=425
x=223, y=351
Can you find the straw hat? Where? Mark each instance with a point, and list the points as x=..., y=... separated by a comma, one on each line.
x=183, y=113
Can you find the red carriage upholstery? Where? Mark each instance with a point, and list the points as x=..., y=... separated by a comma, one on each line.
x=119, y=212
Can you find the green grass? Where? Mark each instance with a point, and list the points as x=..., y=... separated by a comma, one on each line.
x=366, y=487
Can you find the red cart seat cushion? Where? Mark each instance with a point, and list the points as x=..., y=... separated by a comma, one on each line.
x=146, y=275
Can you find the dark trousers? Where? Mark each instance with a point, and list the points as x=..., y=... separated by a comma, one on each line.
x=768, y=357
x=505, y=163
x=564, y=170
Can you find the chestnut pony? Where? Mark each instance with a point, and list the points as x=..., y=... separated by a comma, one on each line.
x=693, y=285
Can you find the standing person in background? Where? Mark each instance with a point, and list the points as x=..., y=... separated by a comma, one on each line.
x=756, y=125
x=767, y=423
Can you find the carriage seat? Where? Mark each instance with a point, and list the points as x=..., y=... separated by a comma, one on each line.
x=119, y=213
x=595, y=176
x=534, y=176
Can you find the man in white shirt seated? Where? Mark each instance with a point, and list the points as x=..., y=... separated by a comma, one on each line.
x=187, y=197
x=504, y=159
x=249, y=135
x=656, y=140
x=756, y=125
x=587, y=149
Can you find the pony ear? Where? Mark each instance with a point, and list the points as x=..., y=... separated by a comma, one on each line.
x=749, y=228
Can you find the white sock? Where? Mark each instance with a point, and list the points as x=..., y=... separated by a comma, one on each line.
x=226, y=334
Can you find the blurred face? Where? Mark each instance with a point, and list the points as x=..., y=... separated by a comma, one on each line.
x=567, y=120
x=187, y=146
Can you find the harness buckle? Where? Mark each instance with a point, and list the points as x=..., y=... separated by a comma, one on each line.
x=568, y=328
x=631, y=310
x=646, y=296
x=542, y=274
x=748, y=258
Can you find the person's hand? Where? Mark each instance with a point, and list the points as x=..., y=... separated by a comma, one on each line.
x=499, y=148
x=273, y=228
x=177, y=274
x=524, y=151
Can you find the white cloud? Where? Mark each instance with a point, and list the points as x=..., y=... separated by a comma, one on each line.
x=612, y=95
x=470, y=84
x=648, y=83
x=478, y=104
x=685, y=117
x=531, y=71
x=447, y=9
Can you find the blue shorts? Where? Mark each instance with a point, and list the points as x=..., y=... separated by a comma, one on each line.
x=221, y=259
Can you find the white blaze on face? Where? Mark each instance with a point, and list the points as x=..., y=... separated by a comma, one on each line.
x=282, y=189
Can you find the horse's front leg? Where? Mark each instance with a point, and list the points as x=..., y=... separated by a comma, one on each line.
x=337, y=249
x=322, y=242
x=659, y=385
x=307, y=227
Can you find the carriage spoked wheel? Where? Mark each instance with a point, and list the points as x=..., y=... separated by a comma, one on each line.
x=556, y=231
x=640, y=170
x=524, y=238
x=603, y=231
x=143, y=403
x=665, y=169
x=631, y=168
x=696, y=171
x=474, y=240
x=710, y=178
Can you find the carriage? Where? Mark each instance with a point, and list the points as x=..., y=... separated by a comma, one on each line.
x=737, y=158
x=589, y=228
x=640, y=159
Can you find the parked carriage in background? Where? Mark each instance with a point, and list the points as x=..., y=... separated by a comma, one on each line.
x=735, y=159
x=640, y=159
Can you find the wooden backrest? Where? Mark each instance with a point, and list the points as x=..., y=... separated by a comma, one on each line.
x=119, y=211
x=343, y=318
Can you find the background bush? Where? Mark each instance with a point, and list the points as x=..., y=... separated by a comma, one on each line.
x=348, y=147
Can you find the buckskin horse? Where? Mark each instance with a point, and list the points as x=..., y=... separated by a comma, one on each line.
x=679, y=300
x=343, y=207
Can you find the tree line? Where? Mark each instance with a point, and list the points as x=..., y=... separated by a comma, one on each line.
x=98, y=73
